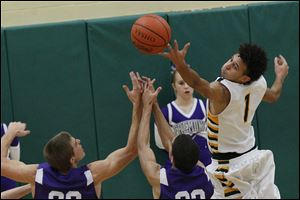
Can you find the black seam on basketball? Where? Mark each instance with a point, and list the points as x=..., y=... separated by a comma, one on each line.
x=146, y=43
x=156, y=17
x=152, y=32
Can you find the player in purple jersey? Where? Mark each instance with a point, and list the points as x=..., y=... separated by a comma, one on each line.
x=60, y=177
x=186, y=178
x=186, y=115
x=14, y=154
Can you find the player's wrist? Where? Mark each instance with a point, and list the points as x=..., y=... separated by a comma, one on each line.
x=280, y=79
x=11, y=133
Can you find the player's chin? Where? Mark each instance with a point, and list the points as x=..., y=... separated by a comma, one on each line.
x=223, y=74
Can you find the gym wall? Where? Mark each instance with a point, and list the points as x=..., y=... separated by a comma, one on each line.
x=69, y=76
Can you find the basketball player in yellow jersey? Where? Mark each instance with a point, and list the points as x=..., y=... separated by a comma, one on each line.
x=238, y=169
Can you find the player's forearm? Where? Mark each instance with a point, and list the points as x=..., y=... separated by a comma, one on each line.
x=16, y=193
x=5, y=143
x=5, y=162
x=188, y=75
x=272, y=94
x=193, y=79
x=164, y=130
x=144, y=128
x=277, y=87
x=133, y=131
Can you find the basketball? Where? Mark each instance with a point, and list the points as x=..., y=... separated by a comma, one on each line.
x=150, y=34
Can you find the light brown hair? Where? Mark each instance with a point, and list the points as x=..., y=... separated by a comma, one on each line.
x=58, y=152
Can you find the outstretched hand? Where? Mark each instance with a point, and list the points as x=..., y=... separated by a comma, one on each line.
x=18, y=129
x=150, y=94
x=175, y=55
x=135, y=94
x=281, y=67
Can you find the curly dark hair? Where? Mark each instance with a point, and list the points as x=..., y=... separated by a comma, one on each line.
x=255, y=59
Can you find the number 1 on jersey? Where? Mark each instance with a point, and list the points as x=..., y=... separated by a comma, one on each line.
x=247, y=99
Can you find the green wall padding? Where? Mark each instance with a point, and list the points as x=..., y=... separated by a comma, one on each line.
x=50, y=83
x=276, y=28
x=6, y=107
x=214, y=35
x=113, y=56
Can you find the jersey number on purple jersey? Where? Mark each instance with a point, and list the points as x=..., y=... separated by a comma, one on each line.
x=185, y=195
x=60, y=195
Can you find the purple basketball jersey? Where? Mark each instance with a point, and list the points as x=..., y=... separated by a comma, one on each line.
x=175, y=184
x=193, y=124
x=77, y=183
x=6, y=183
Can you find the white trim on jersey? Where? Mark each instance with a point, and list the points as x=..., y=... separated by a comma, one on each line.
x=187, y=115
x=89, y=177
x=4, y=127
x=170, y=114
x=203, y=108
x=163, y=177
x=39, y=176
x=157, y=139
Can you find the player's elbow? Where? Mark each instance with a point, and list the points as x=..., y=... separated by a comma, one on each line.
x=141, y=147
x=4, y=166
x=132, y=150
x=272, y=98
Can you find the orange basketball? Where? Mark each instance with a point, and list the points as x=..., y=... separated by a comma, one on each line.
x=150, y=34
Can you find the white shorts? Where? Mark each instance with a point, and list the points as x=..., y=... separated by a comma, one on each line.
x=248, y=176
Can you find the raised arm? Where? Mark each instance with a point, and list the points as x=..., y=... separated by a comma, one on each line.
x=17, y=192
x=14, y=169
x=146, y=156
x=164, y=130
x=213, y=91
x=281, y=70
x=119, y=159
x=14, y=149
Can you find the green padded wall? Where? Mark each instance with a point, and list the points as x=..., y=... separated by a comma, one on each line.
x=6, y=108
x=113, y=56
x=50, y=83
x=276, y=27
x=214, y=35
x=69, y=76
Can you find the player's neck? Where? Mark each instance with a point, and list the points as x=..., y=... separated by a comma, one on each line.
x=184, y=102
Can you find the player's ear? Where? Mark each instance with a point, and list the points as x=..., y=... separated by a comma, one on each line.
x=73, y=160
x=245, y=79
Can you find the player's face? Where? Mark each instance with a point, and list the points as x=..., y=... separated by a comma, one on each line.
x=234, y=70
x=77, y=149
x=181, y=88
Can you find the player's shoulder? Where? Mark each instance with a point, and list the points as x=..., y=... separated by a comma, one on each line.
x=220, y=86
x=261, y=81
x=165, y=109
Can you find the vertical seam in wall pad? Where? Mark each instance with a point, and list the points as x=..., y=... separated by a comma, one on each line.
x=9, y=79
x=92, y=88
x=256, y=112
